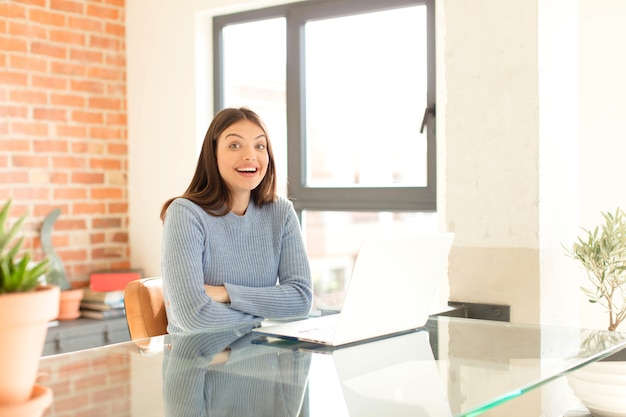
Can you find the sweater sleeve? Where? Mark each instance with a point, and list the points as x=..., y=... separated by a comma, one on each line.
x=293, y=295
x=187, y=306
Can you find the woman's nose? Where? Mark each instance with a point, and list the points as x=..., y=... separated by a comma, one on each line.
x=249, y=154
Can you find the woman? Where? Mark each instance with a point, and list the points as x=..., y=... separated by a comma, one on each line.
x=232, y=250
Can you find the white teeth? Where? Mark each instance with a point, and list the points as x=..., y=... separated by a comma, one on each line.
x=246, y=169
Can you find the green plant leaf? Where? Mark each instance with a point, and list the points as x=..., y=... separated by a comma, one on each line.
x=16, y=275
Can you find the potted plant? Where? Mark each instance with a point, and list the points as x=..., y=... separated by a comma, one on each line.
x=601, y=386
x=69, y=305
x=26, y=307
x=602, y=252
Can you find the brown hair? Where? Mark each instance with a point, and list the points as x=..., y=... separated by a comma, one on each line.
x=207, y=188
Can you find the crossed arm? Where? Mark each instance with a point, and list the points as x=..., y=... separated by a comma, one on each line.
x=217, y=293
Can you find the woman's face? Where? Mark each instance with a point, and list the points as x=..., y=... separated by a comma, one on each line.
x=242, y=156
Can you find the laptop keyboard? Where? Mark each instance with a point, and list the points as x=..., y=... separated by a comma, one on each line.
x=323, y=329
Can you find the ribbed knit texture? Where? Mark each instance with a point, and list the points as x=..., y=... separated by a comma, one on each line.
x=247, y=380
x=246, y=254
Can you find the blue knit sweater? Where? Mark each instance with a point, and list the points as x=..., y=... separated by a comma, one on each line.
x=259, y=257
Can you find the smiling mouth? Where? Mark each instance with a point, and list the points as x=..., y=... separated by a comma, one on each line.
x=247, y=170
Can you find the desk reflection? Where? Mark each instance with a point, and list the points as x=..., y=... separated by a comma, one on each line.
x=220, y=373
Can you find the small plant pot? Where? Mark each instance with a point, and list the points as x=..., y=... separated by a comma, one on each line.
x=23, y=329
x=601, y=387
x=69, y=305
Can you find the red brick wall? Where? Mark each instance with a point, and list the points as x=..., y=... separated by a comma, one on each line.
x=63, y=131
x=90, y=386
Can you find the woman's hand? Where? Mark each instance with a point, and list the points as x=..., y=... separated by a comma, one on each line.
x=217, y=293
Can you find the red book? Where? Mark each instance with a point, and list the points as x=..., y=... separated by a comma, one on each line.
x=112, y=280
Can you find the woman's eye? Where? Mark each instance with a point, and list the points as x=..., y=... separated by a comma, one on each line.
x=234, y=146
x=261, y=146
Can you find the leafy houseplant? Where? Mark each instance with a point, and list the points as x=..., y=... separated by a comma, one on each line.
x=602, y=251
x=56, y=274
x=69, y=306
x=26, y=306
x=16, y=276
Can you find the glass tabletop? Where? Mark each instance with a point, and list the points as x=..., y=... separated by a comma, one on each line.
x=452, y=367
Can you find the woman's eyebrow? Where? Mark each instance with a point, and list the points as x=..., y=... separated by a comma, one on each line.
x=261, y=136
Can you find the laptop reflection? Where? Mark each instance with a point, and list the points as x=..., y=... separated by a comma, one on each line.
x=394, y=376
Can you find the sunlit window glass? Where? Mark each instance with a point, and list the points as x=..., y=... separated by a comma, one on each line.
x=366, y=80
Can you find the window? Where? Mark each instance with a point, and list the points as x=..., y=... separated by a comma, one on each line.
x=347, y=90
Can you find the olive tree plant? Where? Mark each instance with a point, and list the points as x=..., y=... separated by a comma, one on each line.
x=602, y=252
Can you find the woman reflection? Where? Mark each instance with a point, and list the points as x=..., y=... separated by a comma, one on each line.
x=220, y=373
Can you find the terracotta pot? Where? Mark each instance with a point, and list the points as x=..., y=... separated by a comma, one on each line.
x=69, y=305
x=23, y=329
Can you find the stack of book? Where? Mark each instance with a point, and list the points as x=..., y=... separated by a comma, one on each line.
x=104, y=299
x=102, y=305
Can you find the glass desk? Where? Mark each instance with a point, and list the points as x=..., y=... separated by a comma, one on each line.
x=453, y=367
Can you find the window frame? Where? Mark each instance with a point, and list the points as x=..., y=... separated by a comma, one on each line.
x=335, y=198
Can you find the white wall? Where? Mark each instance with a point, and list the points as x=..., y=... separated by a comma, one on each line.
x=492, y=138
x=602, y=121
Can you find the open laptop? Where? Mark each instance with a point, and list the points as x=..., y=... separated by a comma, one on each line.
x=393, y=285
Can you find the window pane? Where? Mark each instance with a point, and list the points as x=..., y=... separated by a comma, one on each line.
x=254, y=65
x=366, y=81
x=333, y=238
